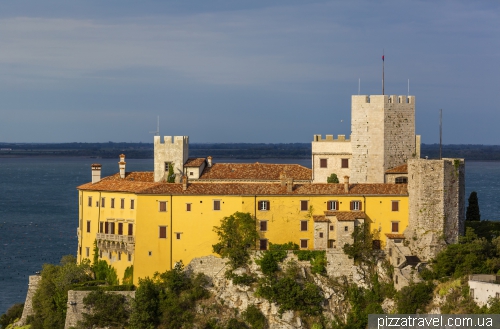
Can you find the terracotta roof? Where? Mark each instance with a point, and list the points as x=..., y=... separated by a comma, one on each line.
x=403, y=169
x=394, y=236
x=320, y=218
x=194, y=162
x=143, y=183
x=346, y=215
x=255, y=171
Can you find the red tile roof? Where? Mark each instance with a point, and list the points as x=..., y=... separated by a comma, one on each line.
x=346, y=215
x=255, y=171
x=143, y=183
x=403, y=169
x=194, y=162
x=320, y=218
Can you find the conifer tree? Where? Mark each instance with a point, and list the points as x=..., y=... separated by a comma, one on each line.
x=473, y=213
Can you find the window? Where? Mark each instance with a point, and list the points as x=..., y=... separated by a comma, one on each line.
x=120, y=228
x=303, y=225
x=321, y=234
x=395, y=205
x=263, y=225
x=356, y=205
x=345, y=163
x=106, y=228
x=331, y=243
x=323, y=163
x=112, y=202
x=163, y=206
x=263, y=244
x=332, y=227
x=178, y=236
x=119, y=255
x=111, y=228
x=103, y=202
x=130, y=229
x=101, y=227
x=264, y=205
x=191, y=173
x=129, y=257
x=304, y=205
x=167, y=166
x=162, y=232
x=90, y=201
x=88, y=226
x=150, y=253
x=97, y=204
x=401, y=180
x=87, y=251
x=132, y=204
x=122, y=203
x=188, y=207
x=110, y=255
x=216, y=204
x=395, y=227
x=346, y=228
x=332, y=205
x=376, y=244
x=303, y=243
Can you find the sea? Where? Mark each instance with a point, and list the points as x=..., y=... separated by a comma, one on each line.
x=39, y=209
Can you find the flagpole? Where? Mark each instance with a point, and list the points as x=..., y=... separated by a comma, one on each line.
x=383, y=71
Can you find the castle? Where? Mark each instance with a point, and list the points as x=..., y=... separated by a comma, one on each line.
x=152, y=220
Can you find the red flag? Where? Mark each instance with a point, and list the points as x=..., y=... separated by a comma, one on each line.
x=382, y=58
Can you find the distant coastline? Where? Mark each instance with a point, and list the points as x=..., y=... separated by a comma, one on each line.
x=221, y=150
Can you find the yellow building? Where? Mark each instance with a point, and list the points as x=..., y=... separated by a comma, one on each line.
x=138, y=218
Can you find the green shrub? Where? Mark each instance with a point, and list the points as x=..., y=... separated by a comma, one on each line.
x=128, y=275
x=244, y=279
x=104, y=310
x=13, y=313
x=332, y=179
x=254, y=317
x=317, y=258
x=414, y=297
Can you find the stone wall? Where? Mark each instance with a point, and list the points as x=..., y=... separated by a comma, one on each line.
x=436, y=191
x=34, y=281
x=76, y=307
x=209, y=265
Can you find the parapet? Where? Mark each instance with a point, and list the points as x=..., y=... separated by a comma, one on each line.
x=383, y=99
x=171, y=140
x=330, y=138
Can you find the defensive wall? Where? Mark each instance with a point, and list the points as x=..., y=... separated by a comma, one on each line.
x=33, y=283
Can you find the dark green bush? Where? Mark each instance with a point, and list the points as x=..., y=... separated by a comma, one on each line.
x=104, y=309
x=14, y=312
x=244, y=279
x=254, y=317
x=414, y=297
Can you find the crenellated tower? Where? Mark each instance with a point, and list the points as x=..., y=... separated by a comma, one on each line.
x=383, y=135
x=173, y=151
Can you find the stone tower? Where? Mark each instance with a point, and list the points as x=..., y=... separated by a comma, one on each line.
x=383, y=135
x=173, y=151
x=330, y=156
x=437, y=205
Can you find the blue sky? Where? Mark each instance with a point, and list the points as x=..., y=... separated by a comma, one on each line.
x=242, y=71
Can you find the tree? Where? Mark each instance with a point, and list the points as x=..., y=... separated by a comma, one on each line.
x=171, y=175
x=473, y=213
x=105, y=310
x=237, y=235
x=12, y=314
x=332, y=179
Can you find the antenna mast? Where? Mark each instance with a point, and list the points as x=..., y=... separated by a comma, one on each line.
x=383, y=69
x=157, y=132
x=359, y=85
x=440, y=133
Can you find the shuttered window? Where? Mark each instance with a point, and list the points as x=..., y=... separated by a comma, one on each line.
x=130, y=229
x=263, y=244
x=216, y=204
x=122, y=203
x=303, y=225
x=332, y=205
x=132, y=204
x=103, y=202
x=88, y=226
x=162, y=206
x=162, y=232
x=264, y=205
x=303, y=243
x=356, y=205
x=345, y=163
x=112, y=202
x=188, y=207
x=120, y=228
x=90, y=201
x=395, y=205
x=304, y=205
x=395, y=227
x=263, y=225
x=323, y=163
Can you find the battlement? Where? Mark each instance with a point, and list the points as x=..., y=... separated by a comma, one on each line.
x=330, y=138
x=171, y=140
x=383, y=99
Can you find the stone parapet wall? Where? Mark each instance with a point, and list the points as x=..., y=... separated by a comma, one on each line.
x=76, y=308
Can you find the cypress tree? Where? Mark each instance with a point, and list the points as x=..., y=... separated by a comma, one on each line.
x=473, y=213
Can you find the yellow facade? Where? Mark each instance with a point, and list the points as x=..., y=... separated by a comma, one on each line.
x=189, y=229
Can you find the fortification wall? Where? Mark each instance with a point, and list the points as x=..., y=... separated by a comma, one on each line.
x=437, y=199
x=174, y=150
x=33, y=283
x=76, y=308
x=333, y=150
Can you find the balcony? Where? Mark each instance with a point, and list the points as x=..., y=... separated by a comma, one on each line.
x=115, y=242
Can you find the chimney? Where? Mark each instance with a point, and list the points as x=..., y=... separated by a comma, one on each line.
x=346, y=184
x=283, y=179
x=289, y=184
x=209, y=160
x=121, y=164
x=184, y=182
x=96, y=172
